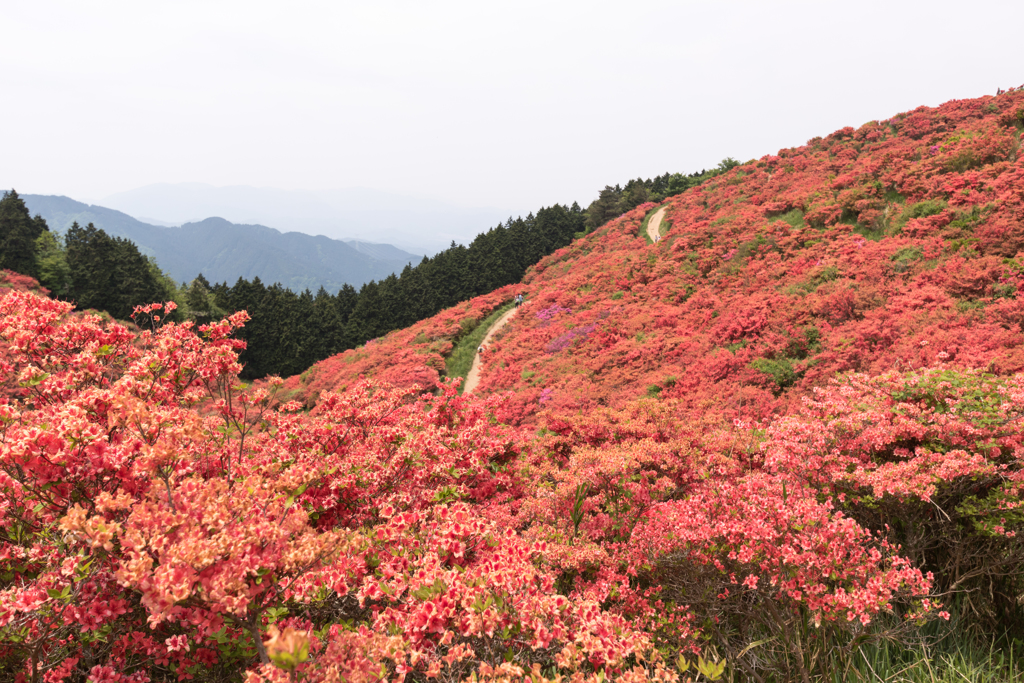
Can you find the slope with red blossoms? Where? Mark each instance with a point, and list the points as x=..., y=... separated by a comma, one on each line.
x=741, y=309
x=889, y=246
x=413, y=356
x=16, y=282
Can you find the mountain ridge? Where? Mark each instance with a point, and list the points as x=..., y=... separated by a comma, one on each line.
x=224, y=251
x=419, y=225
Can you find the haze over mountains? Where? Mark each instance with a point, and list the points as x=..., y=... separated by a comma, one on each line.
x=224, y=251
x=421, y=226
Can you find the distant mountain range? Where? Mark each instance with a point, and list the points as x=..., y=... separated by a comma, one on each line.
x=223, y=251
x=417, y=225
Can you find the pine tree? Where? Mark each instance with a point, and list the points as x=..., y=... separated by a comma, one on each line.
x=326, y=331
x=109, y=273
x=18, y=235
x=92, y=260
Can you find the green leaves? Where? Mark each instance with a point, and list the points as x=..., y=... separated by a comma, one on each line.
x=428, y=592
x=62, y=594
x=35, y=380
x=709, y=669
x=577, y=507
x=276, y=613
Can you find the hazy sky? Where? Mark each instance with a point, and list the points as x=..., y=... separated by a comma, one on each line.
x=512, y=105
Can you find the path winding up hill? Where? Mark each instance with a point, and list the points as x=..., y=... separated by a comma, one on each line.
x=654, y=225
x=473, y=378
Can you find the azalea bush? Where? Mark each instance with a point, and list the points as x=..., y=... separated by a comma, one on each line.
x=860, y=251
x=866, y=250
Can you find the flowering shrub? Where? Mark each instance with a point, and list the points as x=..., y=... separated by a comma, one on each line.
x=857, y=252
x=565, y=340
x=551, y=312
x=861, y=251
x=831, y=450
x=9, y=280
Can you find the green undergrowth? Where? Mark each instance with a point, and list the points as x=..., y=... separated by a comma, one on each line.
x=888, y=652
x=944, y=652
x=795, y=219
x=943, y=663
x=460, y=360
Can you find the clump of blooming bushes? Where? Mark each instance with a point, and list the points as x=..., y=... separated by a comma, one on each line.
x=161, y=521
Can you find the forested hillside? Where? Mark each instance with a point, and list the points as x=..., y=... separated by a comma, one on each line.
x=289, y=331
x=779, y=442
x=84, y=264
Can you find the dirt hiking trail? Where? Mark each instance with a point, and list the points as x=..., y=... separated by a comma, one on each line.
x=654, y=225
x=473, y=378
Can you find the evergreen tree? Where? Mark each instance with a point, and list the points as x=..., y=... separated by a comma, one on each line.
x=18, y=235
x=109, y=273
x=247, y=296
x=135, y=282
x=200, y=298
x=634, y=194
x=345, y=302
x=92, y=260
x=364, y=321
x=325, y=330
x=605, y=207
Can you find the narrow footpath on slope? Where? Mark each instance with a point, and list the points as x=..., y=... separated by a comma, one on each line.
x=654, y=225
x=473, y=378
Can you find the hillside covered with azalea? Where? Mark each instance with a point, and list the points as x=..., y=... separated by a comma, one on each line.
x=891, y=246
x=780, y=437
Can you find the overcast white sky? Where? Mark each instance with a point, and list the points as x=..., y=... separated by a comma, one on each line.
x=512, y=105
